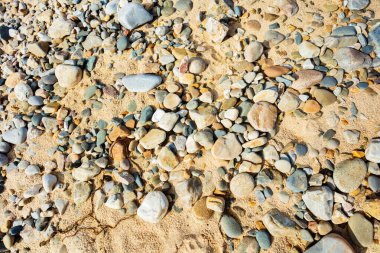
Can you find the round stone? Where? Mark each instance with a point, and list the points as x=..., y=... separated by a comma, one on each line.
x=308, y=50
x=200, y=210
x=349, y=174
x=23, y=91
x=230, y=226
x=311, y=106
x=253, y=51
x=263, y=116
x=154, y=207
x=197, y=65
x=171, y=101
x=227, y=147
x=360, y=230
x=68, y=75
x=242, y=185
x=297, y=182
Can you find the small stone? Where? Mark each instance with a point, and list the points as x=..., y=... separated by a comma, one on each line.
x=360, y=230
x=279, y=224
x=230, y=226
x=319, y=200
x=306, y=236
x=32, y=170
x=242, y=185
x=267, y=95
x=3, y=160
x=60, y=28
x=331, y=243
x=264, y=239
x=197, y=65
x=324, y=97
x=68, y=75
x=167, y=159
x=351, y=59
x=48, y=182
x=8, y=241
x=297, y=182
x=171, y=101
x=81, y=192
x=349, y=174
x=216, y=30
x=39, y=49
x=372, y=152
x=204, y=116
x=275, y=71
x=184, y=5
x=263, y=116
x=15, y=136
x=133, y=15
x=227, y=147
x=115, y=202
x=35, y=101
x=153, y=138
x=273, y=37
x=308, y=50
x=372, y=207
x=154, y=207
x=289, y=7
x=357, y=4
x=23, y=91
x=306, y=78
x=248, y=245
x=253, y=51
x=311, y=106
x=205, y=138
x=289, y=102
x=122, y=43
x=189, y=191
x=141, y=82
x=352, y=137
x=374, y=183
x=301, y=149
x=216, y=203
x=168, y=121
x=61, y=205
x=200, y=210
x=324, y=228
x=85, y=173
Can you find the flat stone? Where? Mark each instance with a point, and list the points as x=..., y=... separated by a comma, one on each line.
x=360, y=230
x=85, y=173
x=15, y=136
x=248, y=245
x=48, y=182
x=168, y=121
x=357, y=4
x=253, y=51
x=289, y=102
x=351, y=59
x=200, y=210
x=308, y=50
x=81, y=192
x=60, y=28
x=372, y=207
x=133, y=15
x=306, y=78
x=230, y=226
x=153, y=138
x=167, y=159
x=216, y=30
x=279, y=224
x=141, y=82
x=267, y=95
x=324, y=97
x=331, y=243
x=275, y=71
x=297, y=182
x=319, y=200
x=242, y=185
x=226, y=147
x=349, y=174
x=68, y=75
x=154, y=207
x=263, y=238
x=372, y=152
x=263, y=116
x=39, y=49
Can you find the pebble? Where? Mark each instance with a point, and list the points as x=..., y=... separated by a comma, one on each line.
x=197, y=65
x=253, y=51
x=289, y=102
x=189, y=191
x=171, y=101
x=230, y=226
x=264, y=239
x=349, y=174
x=133, y=15
x=154, y=207
x=352, y=137
x=331, y=243
x=184, y=5
x=306, y=78
x=319, y=200
x=248, y=245
x=141, y=82
x=114, y=202
x=167, y=159
x=374, y=36
x=263, y=116
x=8, y=241
x=311, y=106
x=372, y=152
x=242, y=185
x=216, y=30
x=374, y=183
x=153, y=138
x=301, y=149
x=372, y=207
x=357, y=4
x=3, y=160
x=324, y=228
x=279, y=224
x=308, y=50
x=267, y=95
x=200, y=210
x=351, y=59
x=81, y=192
x=275, y=71
x=226, y=147
x=297, y=182
x=273, y=37
x=15, y=136
x=23, y=91
x=167, y=121
x=203, y=116
x=4, y=147
x=85, y=173
x=48, y=182
x=360, y=230
x=68, y=75
x=306, y=236
x=32, y=170
x=324, y=97
x=283, y=166
x=60, y=28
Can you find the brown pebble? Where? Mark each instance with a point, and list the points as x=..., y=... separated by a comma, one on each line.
x=200, y=210
x=275, y=71
x=311, y=106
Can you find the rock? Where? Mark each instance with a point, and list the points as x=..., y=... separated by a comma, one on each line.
x=203, y=116
x=189, y=191
x=141, y=82
x=351, y=59
x=92, y=41
x=35, y=101
x=205, y=138
x=273, y=37
x=263, y=238
x=154, y=207
x=226, y=147
x=23, y=91
x=216, y=30
x=279, y=224
x=60, y=28
x=253, y=51
x=153, y=138
x=39, y=49
x=61, y=205
x=275, y=71
x=319, y=200
x=3, y=160
x=374, y=183
x=81, y=192
x=283, y=166
x=349, y=174
x=289, y=7
x=306, y=78
x=324, y=97
x=374, y=37
x=197, y=65
x=372, y=152
x=215, y=203
x=308, y=50
x=115, y=202
x=200, y=210
x=32, y=170
x=14, y=79
x=230, y=226
x=167, y=159
x=68, y=75
x=248, y=245
x=184, y=5
x=289, y=102
x=48, y=182
x=297, y=182
x=357, y=4
x=324, y=228
x=171, y=101
x=331, y=243
x=267, y=95
x=352, y=137
x=242, y=185
x=15, y=136
x=263, y=116
x=311, y=106
x=85, y=173
x=360, y=230
x=372, y=207
x=8, y=241
x=306, y=236
x=168, y=121
x=111, y=7
x=133, y=15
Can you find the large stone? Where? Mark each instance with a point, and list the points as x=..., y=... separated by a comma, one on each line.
x=289, y=7
x=360, y=230
x=357, y=4
x=372, y=152
x=253, y=51
x=331, y=243
x=230, y=226
x=154, y=207
x=141, y=82
x=306, y=78
x=153, y=138
x=349, y=174
x=279, y=224
x=204, y=116
x=81, y=192
x=15, y=136
x=351, y=59
x=242, y=185
x=189, y=191
x=85, y=173
x=68, y=75
x=263, y=116
x=320, y=201
x=372, y=207
x=60, y=28
x=226, y=147
x=167, y=159
x=216, y=30
x=133, y=15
